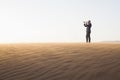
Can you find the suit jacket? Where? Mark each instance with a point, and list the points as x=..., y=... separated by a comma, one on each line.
x=88, y=27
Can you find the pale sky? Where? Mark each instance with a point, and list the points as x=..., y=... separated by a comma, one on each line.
x=58, y=20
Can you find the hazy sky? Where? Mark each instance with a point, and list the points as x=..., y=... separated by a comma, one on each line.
x=58, y=20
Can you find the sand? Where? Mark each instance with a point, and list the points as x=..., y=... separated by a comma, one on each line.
x=60, y=61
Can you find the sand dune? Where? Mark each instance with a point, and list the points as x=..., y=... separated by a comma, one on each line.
x=64, y=61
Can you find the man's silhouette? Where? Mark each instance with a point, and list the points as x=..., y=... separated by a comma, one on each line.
x=88, y=26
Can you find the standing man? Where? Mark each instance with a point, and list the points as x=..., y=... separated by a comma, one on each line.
x=88, y=26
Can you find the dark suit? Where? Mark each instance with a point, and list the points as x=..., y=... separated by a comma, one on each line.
x=88, y=31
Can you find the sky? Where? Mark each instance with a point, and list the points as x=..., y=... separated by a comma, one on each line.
x=58, y=20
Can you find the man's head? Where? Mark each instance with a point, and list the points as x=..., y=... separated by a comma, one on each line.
x=89, y=21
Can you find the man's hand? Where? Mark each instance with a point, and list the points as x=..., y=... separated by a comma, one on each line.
x=84, y=22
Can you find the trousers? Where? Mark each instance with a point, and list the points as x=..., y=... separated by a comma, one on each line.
x=88, y=38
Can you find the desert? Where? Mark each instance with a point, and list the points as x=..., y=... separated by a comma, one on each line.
x=60, y=61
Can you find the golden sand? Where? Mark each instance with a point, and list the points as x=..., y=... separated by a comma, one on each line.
x=60, y=61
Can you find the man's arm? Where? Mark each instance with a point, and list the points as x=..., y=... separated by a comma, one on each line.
x=85, y=25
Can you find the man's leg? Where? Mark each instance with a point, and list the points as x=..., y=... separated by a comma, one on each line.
x=87, y=36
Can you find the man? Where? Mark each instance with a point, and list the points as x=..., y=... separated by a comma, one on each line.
x=88, y=26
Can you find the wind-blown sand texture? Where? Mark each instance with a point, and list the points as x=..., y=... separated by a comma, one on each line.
x=63, y=61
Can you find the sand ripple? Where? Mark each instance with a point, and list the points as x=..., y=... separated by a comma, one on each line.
x=70, y=61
